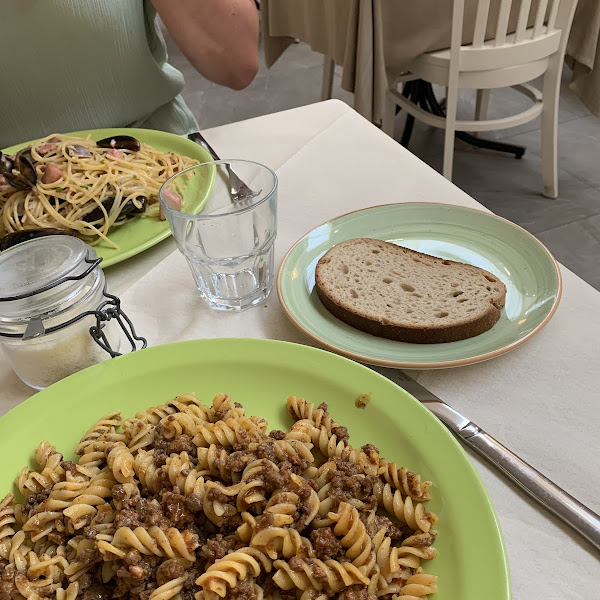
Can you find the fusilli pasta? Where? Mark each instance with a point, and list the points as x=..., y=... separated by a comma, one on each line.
x=192, y=501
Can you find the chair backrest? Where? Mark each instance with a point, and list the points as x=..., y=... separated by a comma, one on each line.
x=540, y=25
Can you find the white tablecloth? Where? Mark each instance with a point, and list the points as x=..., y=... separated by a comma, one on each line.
x=541, y=400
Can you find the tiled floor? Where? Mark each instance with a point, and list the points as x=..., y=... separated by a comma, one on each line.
x=569, y=225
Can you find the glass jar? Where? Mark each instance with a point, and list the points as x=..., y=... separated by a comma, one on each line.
x=56, y=317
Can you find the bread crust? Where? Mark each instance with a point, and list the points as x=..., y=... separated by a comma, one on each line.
x=408, y=333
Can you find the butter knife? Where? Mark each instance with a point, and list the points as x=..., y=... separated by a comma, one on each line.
x=539, y=487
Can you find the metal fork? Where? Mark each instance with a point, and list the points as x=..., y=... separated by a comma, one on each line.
x=238, y=190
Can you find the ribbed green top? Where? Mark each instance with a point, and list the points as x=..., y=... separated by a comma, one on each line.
x=69, y=65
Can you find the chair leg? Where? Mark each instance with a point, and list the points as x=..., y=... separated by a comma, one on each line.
x=481, y=104
x=389, y=114
x=410, y=91
x=408, y=129
x=451, y=104
x=550, y=99
x=327, y=83
x=481, y=107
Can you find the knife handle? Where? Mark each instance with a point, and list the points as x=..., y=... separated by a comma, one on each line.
x=201, y=141
x=554, y=498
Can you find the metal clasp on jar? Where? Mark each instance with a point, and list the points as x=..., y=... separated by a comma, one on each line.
x=111, y=309
x=107, y=311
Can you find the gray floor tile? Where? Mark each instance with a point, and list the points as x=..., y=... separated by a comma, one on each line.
x=506, y=101
x=578, y=147
x=536, y=213
x=294, y=80
x=577, y=246
x=509, y=187
x=266, y=94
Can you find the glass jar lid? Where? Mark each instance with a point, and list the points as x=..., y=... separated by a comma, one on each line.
x=44, y=275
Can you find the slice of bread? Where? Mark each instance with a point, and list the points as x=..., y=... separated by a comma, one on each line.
x=393, y=292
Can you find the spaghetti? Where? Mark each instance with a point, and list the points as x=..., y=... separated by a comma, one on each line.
x=82, y=186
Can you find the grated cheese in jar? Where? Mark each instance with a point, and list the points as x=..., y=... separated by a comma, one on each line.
x=40, y=362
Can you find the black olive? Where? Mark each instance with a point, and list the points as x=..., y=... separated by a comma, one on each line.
x=26, y=177
x=128, y=209
x=25, y=165
x=96, y=214
x=120, y=142
x=18, y=237
x=77, y=150
x=6, y=164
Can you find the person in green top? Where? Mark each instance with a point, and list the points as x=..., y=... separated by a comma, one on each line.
x=70, y=65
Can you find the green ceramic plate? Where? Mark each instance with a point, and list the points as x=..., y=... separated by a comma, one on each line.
x=261, y=374
x=528, y=270
x=142, y=233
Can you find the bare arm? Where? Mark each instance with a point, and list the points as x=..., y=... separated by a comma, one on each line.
x=219, y=37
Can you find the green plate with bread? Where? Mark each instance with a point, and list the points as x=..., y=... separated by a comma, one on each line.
x=453, y=233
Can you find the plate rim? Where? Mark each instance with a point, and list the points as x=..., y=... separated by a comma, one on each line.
x=151, y=242
x=420, y=365
x=503, y=566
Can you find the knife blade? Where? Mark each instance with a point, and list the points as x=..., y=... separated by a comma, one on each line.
x=540, y=488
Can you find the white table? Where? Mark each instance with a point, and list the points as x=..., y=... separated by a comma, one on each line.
x=541, y=400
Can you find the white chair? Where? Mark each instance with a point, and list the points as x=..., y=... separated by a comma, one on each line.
x=537, y=47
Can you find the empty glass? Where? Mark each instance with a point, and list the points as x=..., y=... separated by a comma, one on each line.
x=223, y=216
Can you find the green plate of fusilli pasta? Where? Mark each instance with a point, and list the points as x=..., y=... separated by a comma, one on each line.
x=240, y=468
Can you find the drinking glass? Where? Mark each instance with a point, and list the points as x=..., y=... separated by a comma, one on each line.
x=226, y=236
